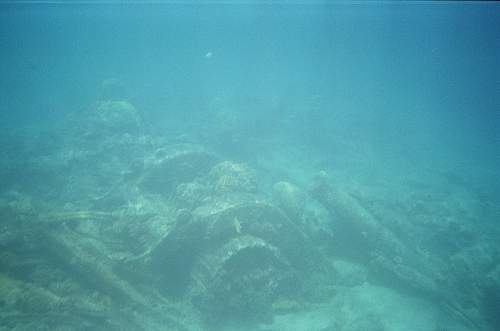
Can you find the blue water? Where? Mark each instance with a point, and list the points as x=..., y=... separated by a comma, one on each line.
x=398, y=102
x=430, y=68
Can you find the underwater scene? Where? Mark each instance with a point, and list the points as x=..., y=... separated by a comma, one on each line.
x=250, y=166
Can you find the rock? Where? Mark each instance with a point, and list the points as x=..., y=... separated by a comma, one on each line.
x=290, y=198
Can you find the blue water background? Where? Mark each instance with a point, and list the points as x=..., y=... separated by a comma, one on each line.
x=412, y=82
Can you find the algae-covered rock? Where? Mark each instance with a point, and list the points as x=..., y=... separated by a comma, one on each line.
x=290, y=198
x=232, y=177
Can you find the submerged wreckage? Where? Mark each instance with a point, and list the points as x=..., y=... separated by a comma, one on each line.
x=148, y=231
